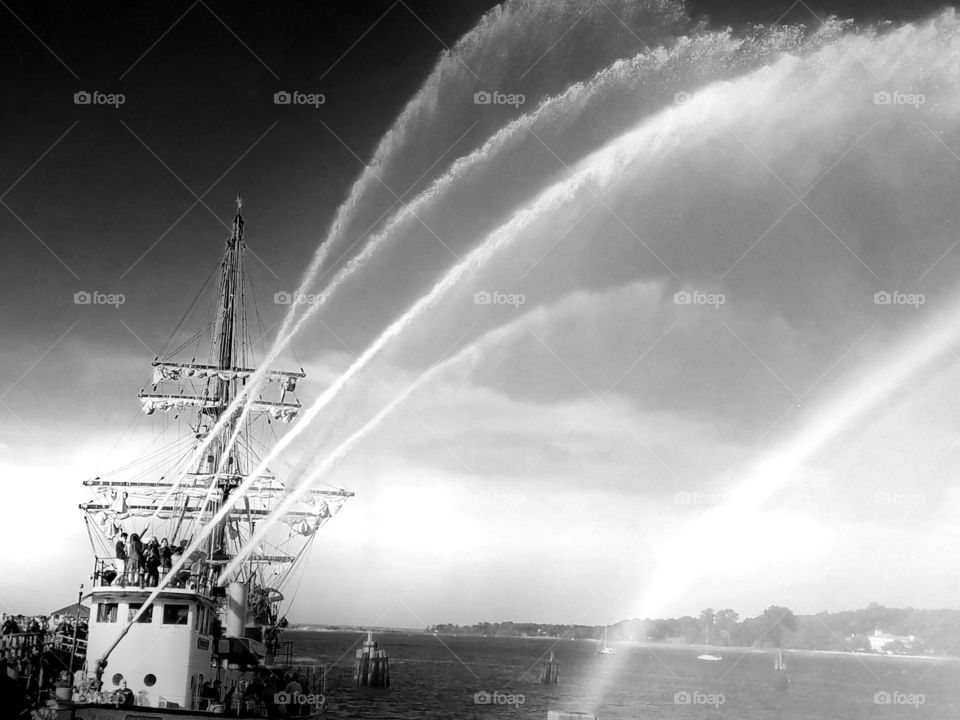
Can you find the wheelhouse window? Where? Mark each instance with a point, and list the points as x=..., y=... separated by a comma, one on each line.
x=176, y=614
x=106, y=612
x=147, y=616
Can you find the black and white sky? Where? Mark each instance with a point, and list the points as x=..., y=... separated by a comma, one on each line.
x=694, y=392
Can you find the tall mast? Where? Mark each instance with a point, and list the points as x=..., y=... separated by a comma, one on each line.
x=223, y=343
x=189, y=491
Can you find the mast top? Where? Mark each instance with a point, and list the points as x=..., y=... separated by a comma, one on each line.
x=237, y=223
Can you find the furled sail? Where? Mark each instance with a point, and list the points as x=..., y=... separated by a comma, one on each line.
x=150, y=403
x=175, y=372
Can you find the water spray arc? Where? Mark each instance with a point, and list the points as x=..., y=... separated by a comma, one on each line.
x=600, y=169
x=471, y=352
x=650, y=139
x=612, y=81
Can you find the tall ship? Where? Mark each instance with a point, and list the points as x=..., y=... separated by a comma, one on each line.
x=194, y=643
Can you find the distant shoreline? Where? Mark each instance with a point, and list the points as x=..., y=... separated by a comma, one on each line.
x=637, y=643
x=786, y=651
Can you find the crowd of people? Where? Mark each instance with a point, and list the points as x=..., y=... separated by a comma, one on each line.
x=143, y=563
x=41, y=625
x=33, y=649
x=256, y=694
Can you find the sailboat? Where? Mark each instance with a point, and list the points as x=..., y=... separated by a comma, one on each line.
x=602, y=647
x=206, y=645
x=708, y=657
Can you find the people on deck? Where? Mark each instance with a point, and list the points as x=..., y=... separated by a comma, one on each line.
x=271, y=686
x=134, y=559
x=196, y=569
x=124, y=694
x=294, y=690
x=9, y=626
x=166, y=556
x=151, y=562
x=121, y=552
x=176, y=554
x=252, y=695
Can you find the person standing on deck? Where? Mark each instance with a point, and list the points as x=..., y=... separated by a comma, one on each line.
x=151, y=561
x=176, y=554
x=134, y=558
x=166, y=557
x=121, y=552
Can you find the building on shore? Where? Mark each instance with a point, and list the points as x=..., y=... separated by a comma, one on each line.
x=880, y=640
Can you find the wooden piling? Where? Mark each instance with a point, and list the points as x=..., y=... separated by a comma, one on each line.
x=550, y=672
x=372, y=668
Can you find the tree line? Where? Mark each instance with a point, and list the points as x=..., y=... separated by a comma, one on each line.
x=935, y=632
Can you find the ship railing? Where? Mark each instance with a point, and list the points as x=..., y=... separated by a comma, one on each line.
x=113, y=572
x=280, y=650
x=67, y=643
x=17, y=645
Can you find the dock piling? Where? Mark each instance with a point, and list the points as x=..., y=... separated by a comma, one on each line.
x=550, y=672
x=372, y=668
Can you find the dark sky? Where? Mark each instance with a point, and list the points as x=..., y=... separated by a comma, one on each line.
x=194, y=75
x=198, y=80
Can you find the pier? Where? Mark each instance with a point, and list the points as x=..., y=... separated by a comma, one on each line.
x=372, y=668
x=550, y=672
x=35, y=660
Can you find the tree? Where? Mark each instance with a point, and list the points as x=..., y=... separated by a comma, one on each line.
x=775, y=620
x=707, y=619
x=690, y=629
x=726, y=623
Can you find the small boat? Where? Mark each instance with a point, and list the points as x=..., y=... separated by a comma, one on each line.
x=706, y=641
x=603, y=648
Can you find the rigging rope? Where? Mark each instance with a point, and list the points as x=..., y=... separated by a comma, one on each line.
x=183, y=318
